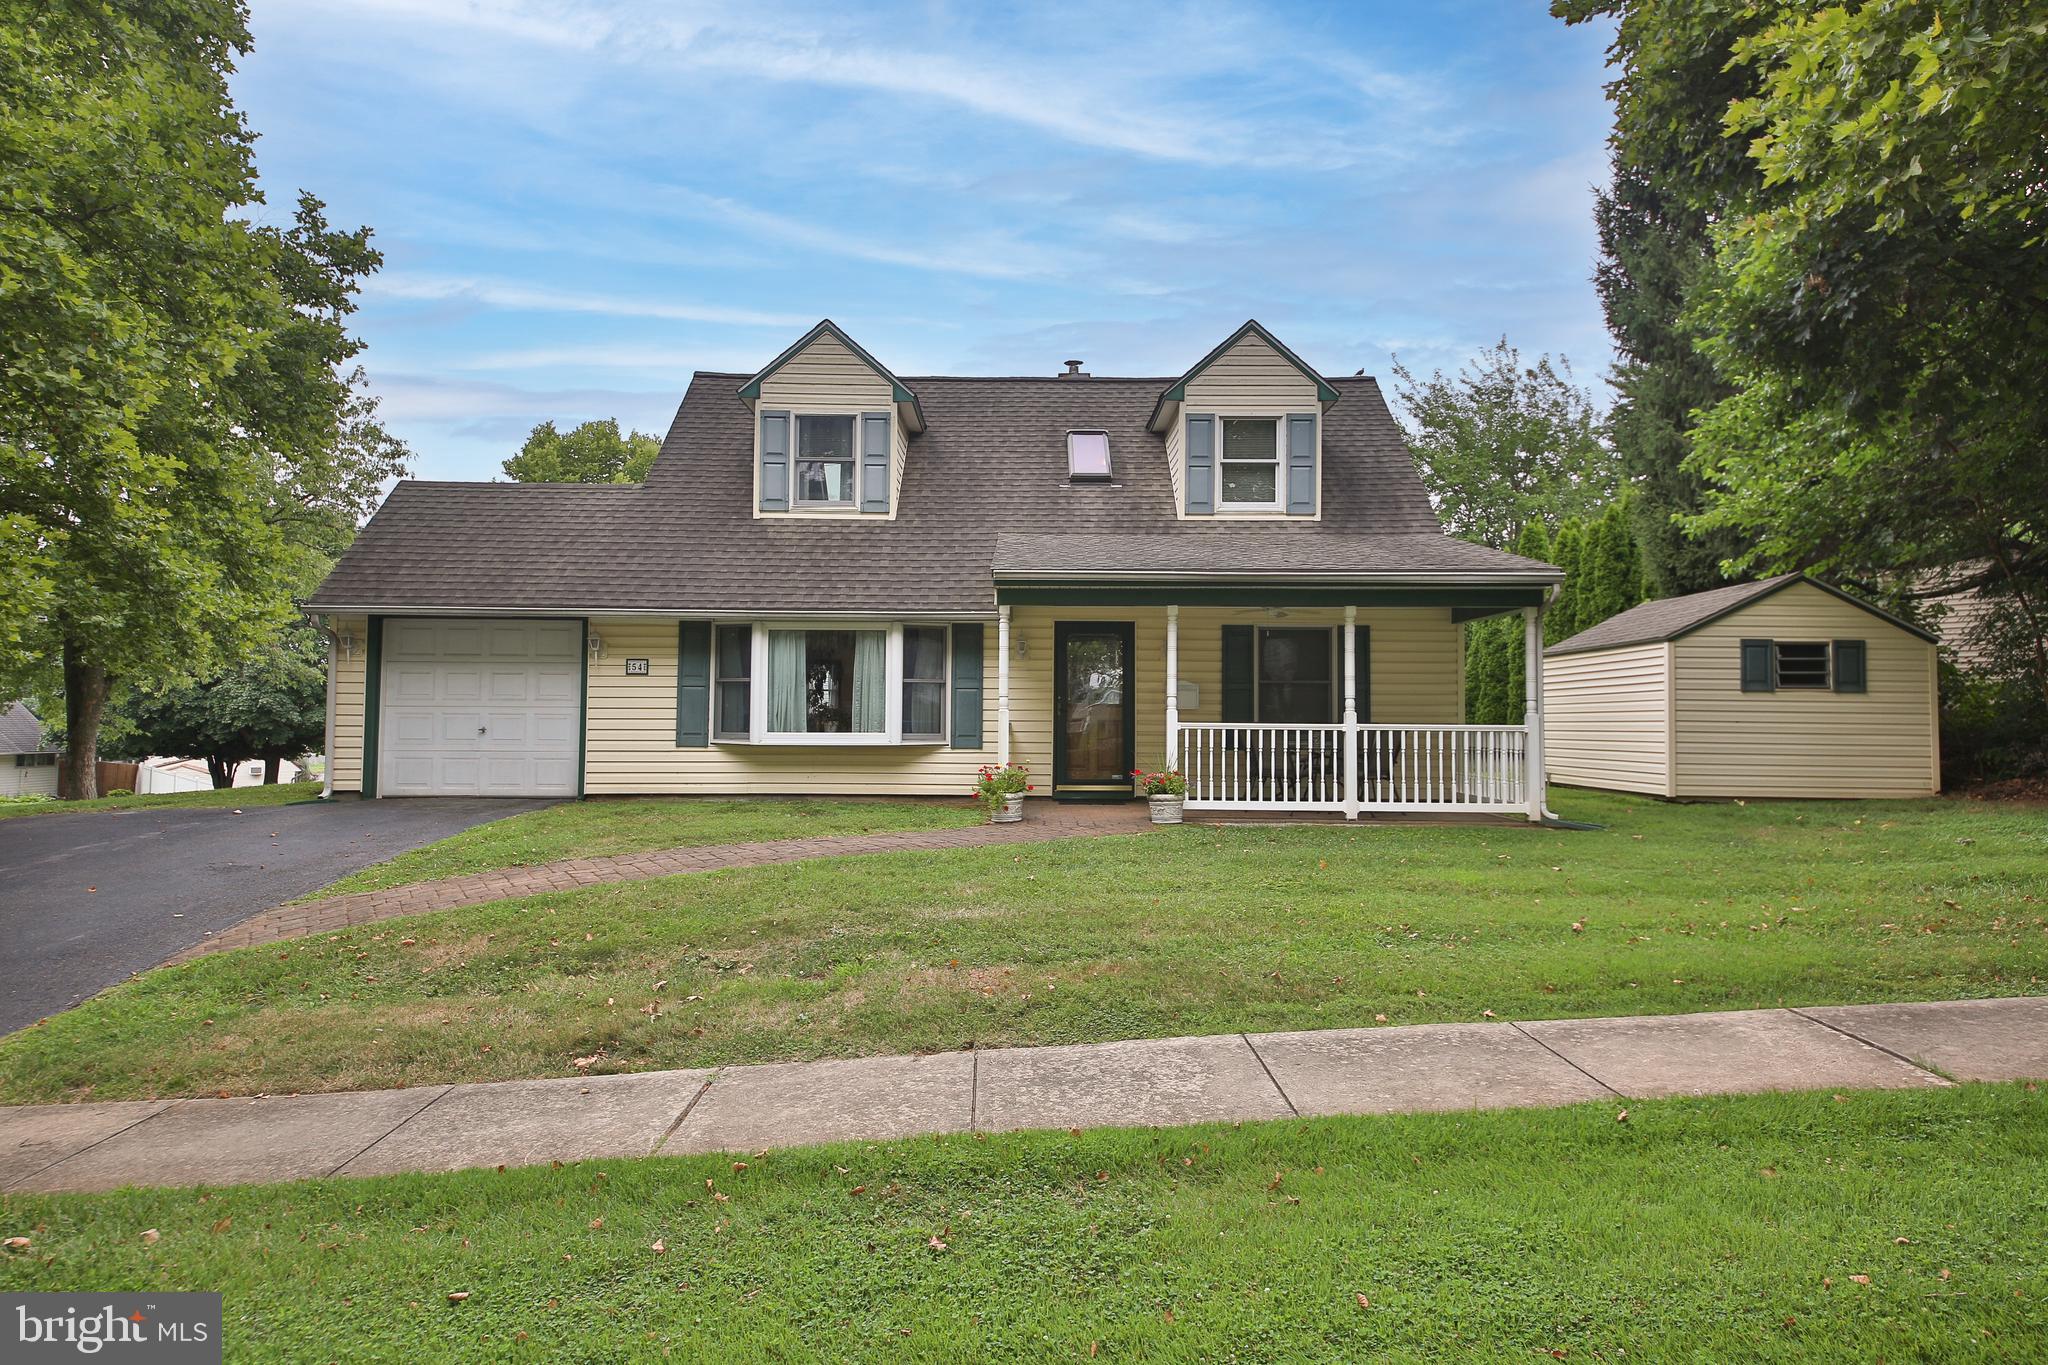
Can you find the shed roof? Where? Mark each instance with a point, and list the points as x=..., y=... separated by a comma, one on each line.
x=20, y=731
x=1669, y=618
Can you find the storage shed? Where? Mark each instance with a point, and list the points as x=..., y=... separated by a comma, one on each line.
x=1784, y=687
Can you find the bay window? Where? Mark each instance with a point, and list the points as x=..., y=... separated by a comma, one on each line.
x=830, y=684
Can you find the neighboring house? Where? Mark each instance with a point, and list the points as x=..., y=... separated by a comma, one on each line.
x=28, y=766
x=1784, y=687
x=839, y=580
x=154, y=775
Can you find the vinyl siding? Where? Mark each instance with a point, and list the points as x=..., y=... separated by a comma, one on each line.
x=1882, y=742
x=630, y=744
x=1251, y=379
x=349, y=678
x=38, y=781
x=1605, y=718
x=1176, y=459
x=1414, y=663
x=828, y=378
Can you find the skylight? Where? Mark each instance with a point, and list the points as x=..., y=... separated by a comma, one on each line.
x=1088, y=454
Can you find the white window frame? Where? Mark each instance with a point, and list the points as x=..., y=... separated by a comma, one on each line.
x=891, y=733
x=796, y=423
x=717, y=692
x=1279, y=462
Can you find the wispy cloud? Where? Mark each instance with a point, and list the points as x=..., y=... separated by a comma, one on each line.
x=538, y=298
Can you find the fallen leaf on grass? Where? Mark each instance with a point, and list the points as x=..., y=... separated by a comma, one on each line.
x=1364, y=1302
x=1622, y=1117
x=17, y=1244
x=660, y=1247
x=1860, y=1279
x=149, y=1235
x=934, y=1243
x=457, y=1296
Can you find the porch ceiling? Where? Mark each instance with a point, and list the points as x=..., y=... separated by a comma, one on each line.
x=1468, y=601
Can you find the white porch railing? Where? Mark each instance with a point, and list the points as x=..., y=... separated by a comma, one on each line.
x=1466, y=768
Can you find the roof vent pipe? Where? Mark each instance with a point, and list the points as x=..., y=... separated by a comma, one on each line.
x=1074, y=371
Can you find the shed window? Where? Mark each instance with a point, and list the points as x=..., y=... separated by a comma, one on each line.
x=824, y=460
x=35, y=760
x=1297, y=677
x=1251, y=463
x=1802, y=665
x=1088, y=455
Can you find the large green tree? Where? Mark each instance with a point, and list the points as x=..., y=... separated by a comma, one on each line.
x=178, y=442
x=1503, y=445
x=270, y=705
x=1672, y=174
x=1881, y=304
x=592, y=452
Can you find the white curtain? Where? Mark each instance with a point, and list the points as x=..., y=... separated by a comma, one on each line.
x=786, y=705
x=870, y=681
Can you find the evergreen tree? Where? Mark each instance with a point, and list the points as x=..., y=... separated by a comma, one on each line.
x=1564, y=615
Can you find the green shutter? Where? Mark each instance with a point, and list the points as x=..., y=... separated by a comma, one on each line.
x=1756, y=666
x=1365, y=675
x=693, y=685
x=967, y=685
x=1852, y=666
x=774, y=462
x=1201, y=465
x=1238, y=674
x=874, y=462
x=1301, y=464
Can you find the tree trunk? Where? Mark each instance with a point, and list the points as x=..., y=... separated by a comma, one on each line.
x=270, y=771
x=85, y=698
x=222, y=771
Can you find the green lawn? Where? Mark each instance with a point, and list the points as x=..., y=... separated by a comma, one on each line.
x=276, y=794
x=1900, y=1226
x=1177, y=931
x=595, y=829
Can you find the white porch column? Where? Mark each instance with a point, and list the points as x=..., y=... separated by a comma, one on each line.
x=1351, y=797
x=1173, y=687
x=1002, y=685
x=1532, y=708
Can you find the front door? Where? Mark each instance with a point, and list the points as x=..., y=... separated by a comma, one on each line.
x=1093, y=734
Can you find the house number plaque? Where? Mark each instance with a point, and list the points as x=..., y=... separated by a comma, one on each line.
x=636, y=667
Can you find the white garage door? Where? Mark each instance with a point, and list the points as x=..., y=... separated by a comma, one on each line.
x=479, y=708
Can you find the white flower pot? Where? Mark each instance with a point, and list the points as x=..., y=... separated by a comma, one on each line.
x=1010, y=812
x=1166, y=810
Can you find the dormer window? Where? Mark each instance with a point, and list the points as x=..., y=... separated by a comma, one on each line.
x=824, y=460
x=1251, y=464
x=1088, y=455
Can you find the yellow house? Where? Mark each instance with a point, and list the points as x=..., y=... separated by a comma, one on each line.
x=839, y=580
x=1783, y=687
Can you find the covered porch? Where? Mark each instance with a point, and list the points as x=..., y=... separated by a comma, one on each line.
x=1233, y=685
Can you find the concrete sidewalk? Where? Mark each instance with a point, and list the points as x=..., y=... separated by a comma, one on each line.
x=1128, y=1084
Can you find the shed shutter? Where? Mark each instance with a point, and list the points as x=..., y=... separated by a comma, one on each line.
x=967, y=685
x=774, y=462
x=1851, y=666
x=1201, y=471
x=874, y=462
x=693, y=685
x=1301, y=464
x=1756, y=666
x=1238, y=673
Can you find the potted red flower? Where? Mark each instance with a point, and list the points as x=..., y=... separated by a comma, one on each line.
x=1166, y=792
x=1001, y=789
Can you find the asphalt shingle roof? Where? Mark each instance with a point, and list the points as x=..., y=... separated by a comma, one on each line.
x=990, y=468
x=20, y=731
x=1670, y=617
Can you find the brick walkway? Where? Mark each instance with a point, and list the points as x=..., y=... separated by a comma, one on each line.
x=1045, y=820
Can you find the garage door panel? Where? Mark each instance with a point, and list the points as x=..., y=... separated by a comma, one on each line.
x=481, y=708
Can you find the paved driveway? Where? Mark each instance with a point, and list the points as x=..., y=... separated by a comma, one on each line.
x=87, y=899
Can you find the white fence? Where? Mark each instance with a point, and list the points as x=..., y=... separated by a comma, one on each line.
x=1354, y=768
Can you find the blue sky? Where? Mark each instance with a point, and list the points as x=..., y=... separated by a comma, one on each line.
x=582, y=201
